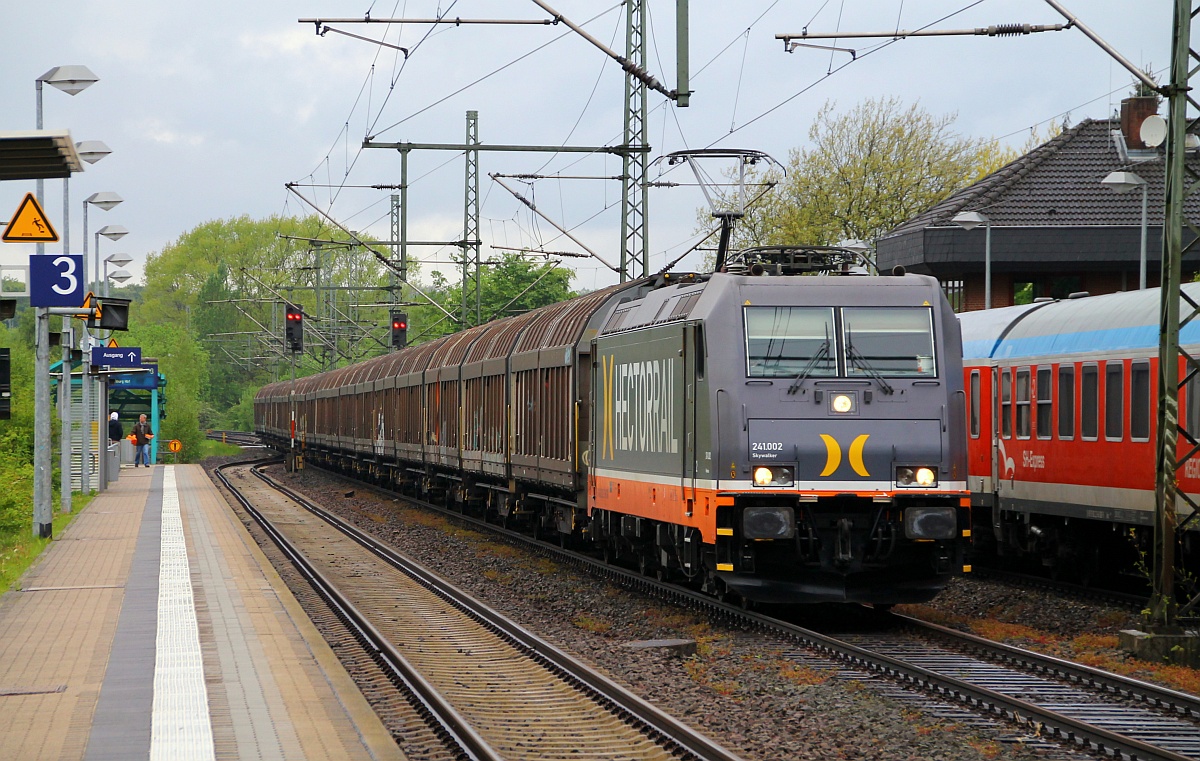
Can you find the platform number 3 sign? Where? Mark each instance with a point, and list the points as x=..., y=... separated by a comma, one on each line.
x=55, y=280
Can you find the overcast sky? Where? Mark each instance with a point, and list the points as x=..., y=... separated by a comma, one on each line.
x=210, y=109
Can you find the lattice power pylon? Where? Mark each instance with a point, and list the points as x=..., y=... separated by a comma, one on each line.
x=1180, y=183
x=634, y=163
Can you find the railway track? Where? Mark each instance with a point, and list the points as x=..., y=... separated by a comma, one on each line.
x=487, y=688
x=1098, y=594
x=237, y=438
x=1050, y=699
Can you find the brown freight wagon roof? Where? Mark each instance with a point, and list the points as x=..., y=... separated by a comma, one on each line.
x=335, y=378
x=452, y=351
x=417, y=357
x=562, y=324
x=387, y=368
x=498, y=341
x=374, y=368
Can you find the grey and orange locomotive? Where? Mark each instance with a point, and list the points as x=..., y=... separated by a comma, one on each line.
x=790, y=429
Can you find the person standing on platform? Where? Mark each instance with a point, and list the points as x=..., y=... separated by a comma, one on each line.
x=115, y=431
x=141, y=439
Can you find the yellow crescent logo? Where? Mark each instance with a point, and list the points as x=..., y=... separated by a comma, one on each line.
x=856, y=455
x=834, y=454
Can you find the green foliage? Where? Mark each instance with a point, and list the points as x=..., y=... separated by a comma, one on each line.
x=510, y=285
x=868, y=170
x=16, y=435
x=184, y=363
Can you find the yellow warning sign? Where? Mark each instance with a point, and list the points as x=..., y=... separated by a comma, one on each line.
x=112, y=344
x=29, y=224
x=175, y=445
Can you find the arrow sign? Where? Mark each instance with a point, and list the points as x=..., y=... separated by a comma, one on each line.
x=121, y=356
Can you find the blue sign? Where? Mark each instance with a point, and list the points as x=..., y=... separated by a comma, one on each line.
x=56, y=280
x=117, y=356
x=145, y=381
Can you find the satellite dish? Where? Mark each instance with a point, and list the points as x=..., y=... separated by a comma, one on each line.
x=1154, y=130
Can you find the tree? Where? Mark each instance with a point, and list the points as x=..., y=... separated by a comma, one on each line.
x=509, y=285
x=867, y=171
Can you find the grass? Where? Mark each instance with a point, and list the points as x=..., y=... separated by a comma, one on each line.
x=19, y=549
x=209, y=448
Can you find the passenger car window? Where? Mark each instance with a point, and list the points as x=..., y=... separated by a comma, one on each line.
x=1139, y=401
x=974, y=404
x=1066, y=402
x=1089, y=424
x=1114, y=401
x=1045, y=403
x=1023, y=404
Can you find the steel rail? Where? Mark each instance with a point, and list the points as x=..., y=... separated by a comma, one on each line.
x=432, y=703
x=665, y=726
x=1044, y=721
x=1179, y=703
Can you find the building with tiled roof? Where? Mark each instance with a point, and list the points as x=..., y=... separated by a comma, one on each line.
x=1055, y=229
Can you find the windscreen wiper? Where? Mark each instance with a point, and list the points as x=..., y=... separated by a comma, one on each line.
x=862, y=363
x=822, y=353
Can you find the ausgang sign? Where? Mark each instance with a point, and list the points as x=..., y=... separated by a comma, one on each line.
x=120, y=356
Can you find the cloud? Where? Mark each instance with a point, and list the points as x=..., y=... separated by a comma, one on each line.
x=157, y=131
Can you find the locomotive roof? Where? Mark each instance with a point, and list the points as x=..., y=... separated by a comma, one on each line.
x=1114, y=322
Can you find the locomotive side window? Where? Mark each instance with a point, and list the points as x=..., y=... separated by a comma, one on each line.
x=1006, y=404
x=1023, y=404
x=1045, y=403
x=1114, y=398
x=892, y=341
x=1089, y=424
x=1066, y=402
x=782, y=342
x=1139, y=402
x=974, y=404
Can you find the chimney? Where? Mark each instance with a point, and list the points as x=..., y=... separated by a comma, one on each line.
x=1133, y=112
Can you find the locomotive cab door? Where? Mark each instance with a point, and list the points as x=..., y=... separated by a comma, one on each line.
x=693, y=370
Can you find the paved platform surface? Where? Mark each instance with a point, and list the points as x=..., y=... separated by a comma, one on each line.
x=155, y=628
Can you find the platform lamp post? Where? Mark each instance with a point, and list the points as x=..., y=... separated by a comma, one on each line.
x=112, y=232
x=71, y=80
x=90, y=151
x=969, y=220
x=1123, y=182
x=120, y=275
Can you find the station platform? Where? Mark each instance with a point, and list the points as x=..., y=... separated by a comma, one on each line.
x=154, y=627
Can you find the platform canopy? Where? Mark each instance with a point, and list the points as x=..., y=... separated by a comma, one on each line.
x=37, y=155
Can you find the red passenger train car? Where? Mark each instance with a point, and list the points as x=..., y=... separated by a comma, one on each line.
x=1062, y=404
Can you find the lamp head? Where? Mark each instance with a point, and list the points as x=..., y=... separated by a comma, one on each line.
x=118, y=260
x=92, y=151
x=969, y=220
x=69, y=79
x=104, y=200
x=113, y=232
x=119, y=275
x=1122, y=182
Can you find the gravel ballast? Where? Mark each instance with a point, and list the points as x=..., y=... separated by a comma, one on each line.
x=749, y=692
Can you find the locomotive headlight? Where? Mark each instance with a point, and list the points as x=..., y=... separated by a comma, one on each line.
x=930, y=523
x=842, y=403
x=773, y=476
x=768, y=523
x=918, y=476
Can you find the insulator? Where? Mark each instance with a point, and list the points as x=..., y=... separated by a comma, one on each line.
x=1008, y=30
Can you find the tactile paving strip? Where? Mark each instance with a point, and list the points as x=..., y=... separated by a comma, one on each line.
x=181, y=728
